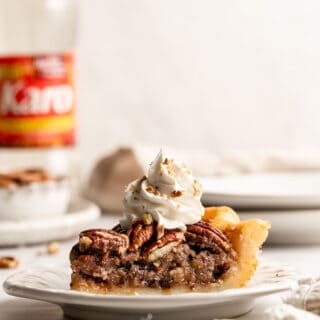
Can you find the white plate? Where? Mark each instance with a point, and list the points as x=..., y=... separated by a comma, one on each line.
x=52, y=285
x=289, y=226
x=295, y=190
x=80, y=213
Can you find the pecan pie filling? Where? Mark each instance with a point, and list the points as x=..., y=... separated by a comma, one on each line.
x=141, y=257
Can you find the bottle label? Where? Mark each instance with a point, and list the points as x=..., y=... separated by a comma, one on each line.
x=37, y=101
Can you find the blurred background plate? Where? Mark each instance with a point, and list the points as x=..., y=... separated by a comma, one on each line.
x=79, y=216
x=290, y=227
x=261, y=191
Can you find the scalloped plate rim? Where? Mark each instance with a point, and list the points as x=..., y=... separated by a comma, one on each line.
x=14, y=287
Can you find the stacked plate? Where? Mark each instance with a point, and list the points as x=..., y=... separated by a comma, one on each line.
x=291, y=202
x=80, y=214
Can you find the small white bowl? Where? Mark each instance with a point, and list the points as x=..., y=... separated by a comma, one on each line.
x=35, y=200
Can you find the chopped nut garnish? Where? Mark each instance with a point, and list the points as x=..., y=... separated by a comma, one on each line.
x=52, y=248
x=196, y=188
x=153, y=190
x=84, y=243
x=143, y=178
x=160, y=231
x=166, y=161
x=147, y=218
x=176, y=193
x=9, y=262
x=150, y=189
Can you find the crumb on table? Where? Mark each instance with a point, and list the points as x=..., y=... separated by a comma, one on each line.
x=52, y=248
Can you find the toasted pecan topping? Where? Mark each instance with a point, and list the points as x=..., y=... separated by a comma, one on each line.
x=153, y=190
x=139, y=233
x=150, y=189
x=176, y=193
x=204, y=234
x=104, y=240
x=160, y=247
x=146, y=241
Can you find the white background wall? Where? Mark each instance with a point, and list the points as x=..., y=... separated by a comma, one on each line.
x=205, y=74
x=199, y=74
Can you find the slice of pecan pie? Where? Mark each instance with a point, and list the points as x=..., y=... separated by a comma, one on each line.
x=216, y=252
x=167, y=240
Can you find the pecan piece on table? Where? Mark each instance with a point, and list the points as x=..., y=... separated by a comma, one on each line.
x=105, y=240
x=204, y=235
x=162, y=246
x=9, y=262
x=6, y=183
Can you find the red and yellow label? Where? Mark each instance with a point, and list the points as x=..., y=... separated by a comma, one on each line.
x=37, y=101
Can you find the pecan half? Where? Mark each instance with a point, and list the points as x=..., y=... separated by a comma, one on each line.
x=105, y=240
x=139, y=233
x=162, y=246
x=204, y=235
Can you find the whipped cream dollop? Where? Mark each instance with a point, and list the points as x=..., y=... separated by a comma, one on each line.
x=169, y=193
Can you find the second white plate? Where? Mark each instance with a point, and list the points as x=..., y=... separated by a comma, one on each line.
x=278, y=191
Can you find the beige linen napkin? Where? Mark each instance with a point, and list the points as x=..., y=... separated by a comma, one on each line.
x=114, y=171
x=109, y=177
x=288, y=312
x=302, y=303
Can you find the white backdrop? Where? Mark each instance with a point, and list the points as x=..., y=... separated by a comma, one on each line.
x=199, y=74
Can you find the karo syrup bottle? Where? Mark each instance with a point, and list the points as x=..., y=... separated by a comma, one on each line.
x=37, y=96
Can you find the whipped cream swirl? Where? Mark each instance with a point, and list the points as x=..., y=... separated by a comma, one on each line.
x=169, y=193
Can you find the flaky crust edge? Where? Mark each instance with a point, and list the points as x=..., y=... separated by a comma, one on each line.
x=246, y=237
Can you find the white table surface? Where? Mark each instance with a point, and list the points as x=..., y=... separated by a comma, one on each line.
x=304, y=258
